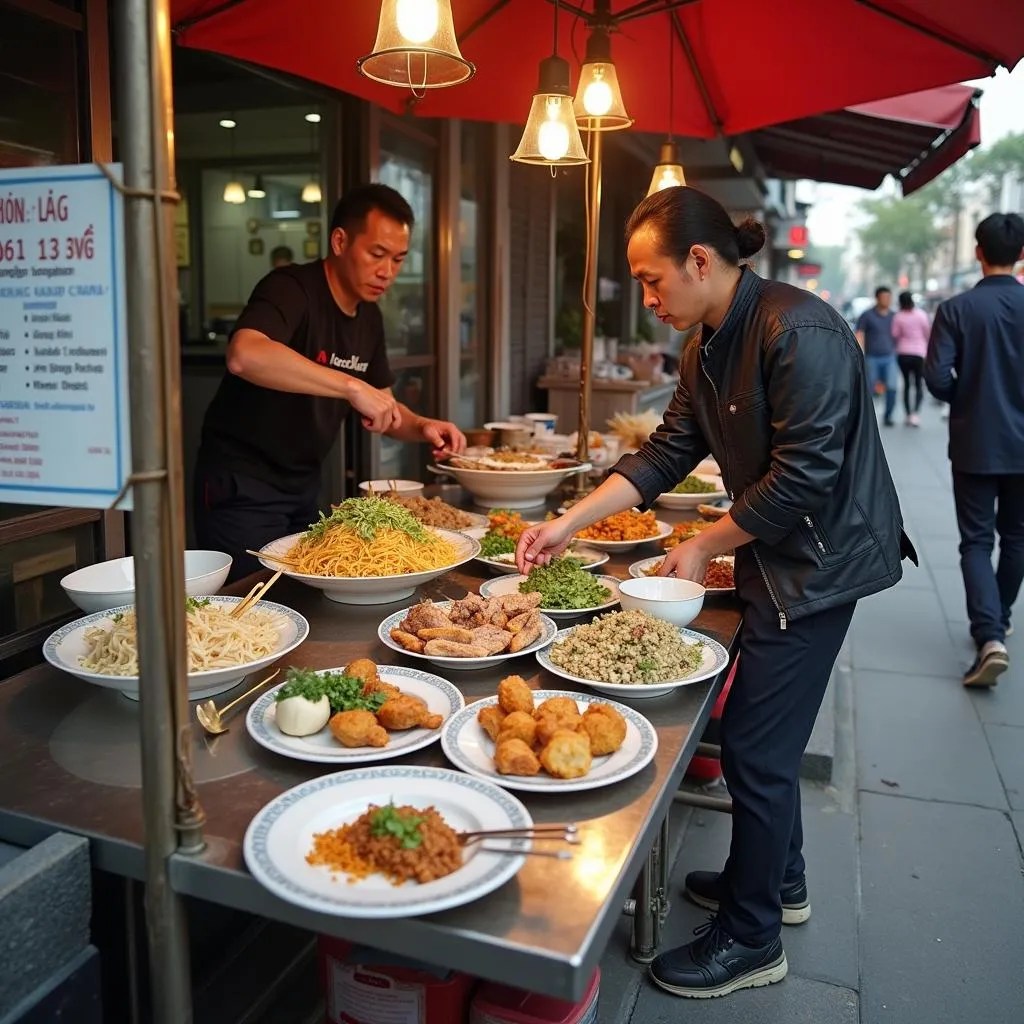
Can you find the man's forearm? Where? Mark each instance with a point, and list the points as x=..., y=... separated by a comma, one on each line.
x=269, y=364
x=616, y=494
x=410, y=428
x=723, y=537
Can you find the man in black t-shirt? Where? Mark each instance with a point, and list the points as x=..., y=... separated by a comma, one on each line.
x=307, y=348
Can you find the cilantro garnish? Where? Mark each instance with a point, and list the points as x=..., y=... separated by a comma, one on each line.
x=389, y=821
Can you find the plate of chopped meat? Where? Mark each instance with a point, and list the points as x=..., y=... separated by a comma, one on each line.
x=473, y=633
x=386, y=841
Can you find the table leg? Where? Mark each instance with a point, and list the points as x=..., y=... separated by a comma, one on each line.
x=651, y=904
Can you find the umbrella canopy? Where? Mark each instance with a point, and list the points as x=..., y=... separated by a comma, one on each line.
x=739, y=64
x=914, y=137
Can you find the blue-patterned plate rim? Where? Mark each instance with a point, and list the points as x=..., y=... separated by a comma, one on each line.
x=273, y=878
x=548, y=636
x=720, y=653
x=57, y=637
x=255, y=722
x=643, y=757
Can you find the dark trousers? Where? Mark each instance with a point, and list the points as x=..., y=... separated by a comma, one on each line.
x=779, y=684
x=234, y=512
x=912, y=368
x=986, y=504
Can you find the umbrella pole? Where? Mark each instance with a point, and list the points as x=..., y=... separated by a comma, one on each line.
x=171, y=812
x=589, y=304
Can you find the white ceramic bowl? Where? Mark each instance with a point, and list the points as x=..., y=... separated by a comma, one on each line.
x=665, y=597
x=371, y=589
x=496, y=488
x=66, y=646
x=403, y=488
x=685, y=501
x=95, y=588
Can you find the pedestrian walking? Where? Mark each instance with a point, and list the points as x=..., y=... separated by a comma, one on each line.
x=773, y=385
x=910, y=328
x=874, y=335
x=975, y=362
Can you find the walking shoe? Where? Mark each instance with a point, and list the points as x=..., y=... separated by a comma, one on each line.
x=913, y=420
x=992, y=661
x=705, y=889
x=715, y=964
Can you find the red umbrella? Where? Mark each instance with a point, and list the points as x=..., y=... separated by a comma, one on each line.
x=740, y=64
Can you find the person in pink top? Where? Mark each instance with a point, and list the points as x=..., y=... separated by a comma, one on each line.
x=911, y=328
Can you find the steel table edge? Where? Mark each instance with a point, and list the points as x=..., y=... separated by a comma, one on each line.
x=106, y=854
x=415, y=937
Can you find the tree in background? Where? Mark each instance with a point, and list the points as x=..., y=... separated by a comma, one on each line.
x=897, y=232
x=991, y=165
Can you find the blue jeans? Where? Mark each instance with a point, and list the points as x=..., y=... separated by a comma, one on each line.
x=883, y=368
x=987, y=504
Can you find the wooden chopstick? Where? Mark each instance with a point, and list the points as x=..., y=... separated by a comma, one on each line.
x=272, y=558
x=256, y=594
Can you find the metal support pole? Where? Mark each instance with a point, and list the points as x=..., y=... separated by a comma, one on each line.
x=589, y=301
x=168, y=797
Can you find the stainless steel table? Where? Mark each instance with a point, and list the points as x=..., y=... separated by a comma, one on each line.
x=69, y=760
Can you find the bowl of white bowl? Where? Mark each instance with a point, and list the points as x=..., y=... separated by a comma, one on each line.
x=665, y=597
x=403, y=488
x=95, y=588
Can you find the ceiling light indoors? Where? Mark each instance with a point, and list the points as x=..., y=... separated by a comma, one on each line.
x=313, y=117
x=311, y=193
x=256, y=190
x=416, y=47
x=598, y=105
x=234, y=193
x=796, y=254
x=227, y=122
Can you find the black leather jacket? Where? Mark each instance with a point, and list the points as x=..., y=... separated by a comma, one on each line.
x=778, y=396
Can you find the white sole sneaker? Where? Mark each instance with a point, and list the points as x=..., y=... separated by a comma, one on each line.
x=756, y=979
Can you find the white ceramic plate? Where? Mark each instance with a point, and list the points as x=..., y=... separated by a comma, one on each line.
x=592, y=558
x=64, y=648
x=470, y=749
x=716, y=658
x=281, y=834
x=638, y=570
x=683, y=501
x=622, y=546
x=322, y=748
x=548, y=631
x=371, y=589
x=510, y=585
x=495, y=488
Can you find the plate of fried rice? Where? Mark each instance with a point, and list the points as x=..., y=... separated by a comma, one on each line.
x=384, y=842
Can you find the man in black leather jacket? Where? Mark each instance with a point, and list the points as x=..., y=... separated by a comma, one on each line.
x=774, y=388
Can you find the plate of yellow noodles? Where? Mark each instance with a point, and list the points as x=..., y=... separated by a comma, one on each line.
x=368, y=551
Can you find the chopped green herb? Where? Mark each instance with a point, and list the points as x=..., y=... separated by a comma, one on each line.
x=367, y=516
x=389, y=821
x=345, y=693
x=694, y=485
x=564, y=585
x=496, y=544
x=192, y=603
x=117, y=618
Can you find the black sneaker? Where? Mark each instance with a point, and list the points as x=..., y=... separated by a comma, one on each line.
x=705, y=889
x=715, y=964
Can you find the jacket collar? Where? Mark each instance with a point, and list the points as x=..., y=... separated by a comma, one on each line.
x=997, y=280
x=746, y=292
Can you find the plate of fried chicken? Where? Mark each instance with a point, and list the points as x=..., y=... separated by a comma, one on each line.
x=472, y=633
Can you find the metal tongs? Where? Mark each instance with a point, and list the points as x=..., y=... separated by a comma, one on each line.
x=563, y=832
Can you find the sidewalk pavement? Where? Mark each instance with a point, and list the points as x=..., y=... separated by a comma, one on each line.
x=914, y=850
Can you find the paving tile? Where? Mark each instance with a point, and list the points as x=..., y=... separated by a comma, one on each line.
x=1004, y=704
x=793, y=1001
x=949, y=588
x=1007, y=743
x=942, y=900
x=902, y=631
x=1017, y=817
x=824, y=949
x=921, y=734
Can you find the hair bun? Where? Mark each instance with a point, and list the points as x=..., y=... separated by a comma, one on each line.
x=750, y=237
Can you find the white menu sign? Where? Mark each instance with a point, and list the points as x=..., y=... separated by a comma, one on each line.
x=64, y=428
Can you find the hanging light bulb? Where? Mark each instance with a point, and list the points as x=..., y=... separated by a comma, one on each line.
x=257, y=191
x=668, y=172
x=234, y=193
x=311, y=192
x=416, y=47
x=598, y=105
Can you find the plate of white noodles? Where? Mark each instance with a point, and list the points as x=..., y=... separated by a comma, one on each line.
x=102, y=648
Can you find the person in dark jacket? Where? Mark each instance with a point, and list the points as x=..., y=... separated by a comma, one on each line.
x=774, y=387
x=975, y=362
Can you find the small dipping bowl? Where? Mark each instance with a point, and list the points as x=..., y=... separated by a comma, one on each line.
x=403, y=488
x=665, y=597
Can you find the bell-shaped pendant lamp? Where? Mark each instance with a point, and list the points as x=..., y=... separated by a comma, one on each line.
x=598, y=105
x=234, y=193
x=668, y=172
x=551, y=135
x=416, y=47
x=311, y=192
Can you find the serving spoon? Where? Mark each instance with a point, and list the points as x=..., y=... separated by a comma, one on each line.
x=212, y=719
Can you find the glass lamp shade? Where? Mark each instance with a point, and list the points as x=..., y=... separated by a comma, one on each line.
x=668, y=172
x=416, y=47
x=234, y=193
x=598, y=105
x=311, y=193
x=551, y=136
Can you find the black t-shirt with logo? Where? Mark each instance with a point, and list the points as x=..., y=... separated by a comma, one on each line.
x=277, y=436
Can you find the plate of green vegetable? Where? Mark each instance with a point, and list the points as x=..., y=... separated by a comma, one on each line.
x=696, y=489
x=567, y=589
x=498, y=553
x=292, y=718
